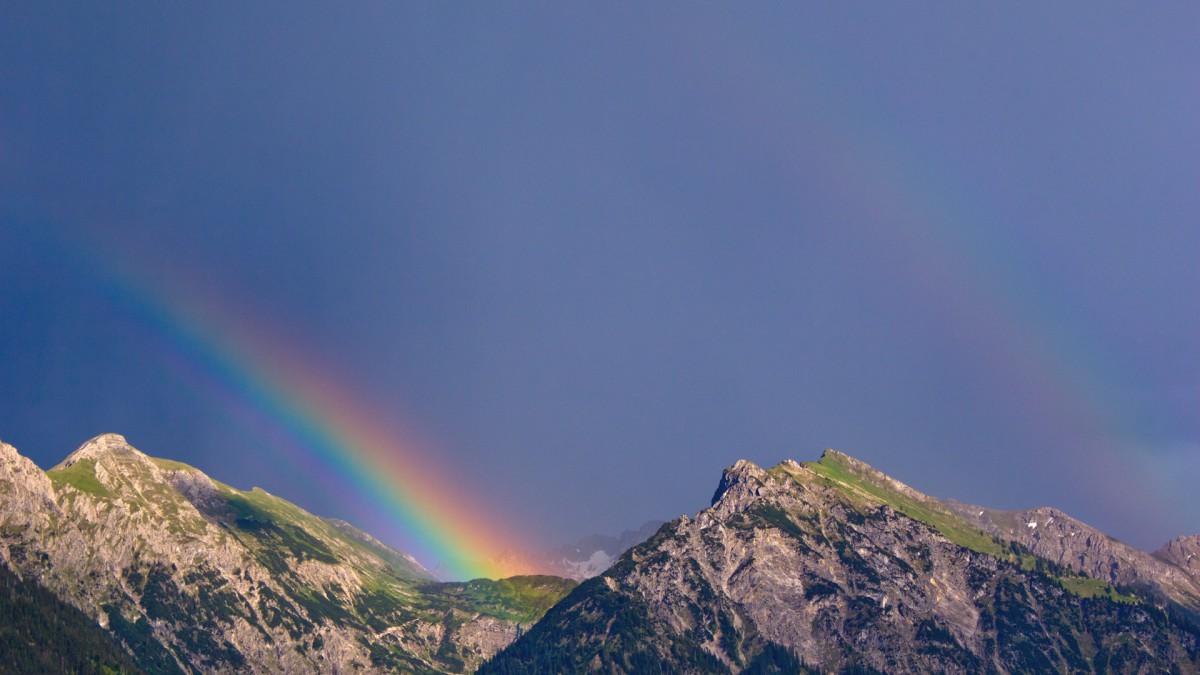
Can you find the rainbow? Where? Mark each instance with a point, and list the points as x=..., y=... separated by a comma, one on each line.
x=1072, y=392
x=954, y=249
x=327, y=432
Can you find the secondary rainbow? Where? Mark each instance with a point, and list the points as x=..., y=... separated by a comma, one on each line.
x=956, y=250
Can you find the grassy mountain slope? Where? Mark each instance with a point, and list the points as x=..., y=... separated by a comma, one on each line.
x=192, y=574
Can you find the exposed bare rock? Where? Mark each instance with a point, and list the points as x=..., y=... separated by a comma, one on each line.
x=190, y=573
x=833, y=566
x=103, y=447
x=1057, y=537
x=740, y=485
x=487, y=635
x=1184, y=553
x=26, y=490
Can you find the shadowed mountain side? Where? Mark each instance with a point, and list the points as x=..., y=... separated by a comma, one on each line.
x=41, y=634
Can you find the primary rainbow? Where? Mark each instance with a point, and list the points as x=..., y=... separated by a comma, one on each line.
x=330, y=434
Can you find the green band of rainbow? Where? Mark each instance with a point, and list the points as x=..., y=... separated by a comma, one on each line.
x=333, y=432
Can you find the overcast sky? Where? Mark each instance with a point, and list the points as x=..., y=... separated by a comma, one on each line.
x=596, y=252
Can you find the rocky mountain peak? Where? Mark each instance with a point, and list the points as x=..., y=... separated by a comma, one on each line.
x=7, y=452
x=24, y=482
x=833, y=566
x=739, y=482
x=834, y=454
x=102, y=447
x=187, y=571
x=1184, y=553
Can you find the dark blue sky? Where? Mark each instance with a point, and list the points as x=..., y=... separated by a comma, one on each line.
x=597, y=252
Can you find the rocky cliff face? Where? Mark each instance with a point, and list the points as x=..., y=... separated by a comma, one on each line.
x=832, y=566
x=1057, y=537
x=823, y=566
x=1184, y=553
x=193, y=575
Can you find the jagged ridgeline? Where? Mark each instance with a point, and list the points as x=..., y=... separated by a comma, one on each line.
x=832, y=566
x=190, y=575
x=147, y=565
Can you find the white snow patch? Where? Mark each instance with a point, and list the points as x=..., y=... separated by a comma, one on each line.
x=981, y=513
x=591, y=567
x=1031, y=525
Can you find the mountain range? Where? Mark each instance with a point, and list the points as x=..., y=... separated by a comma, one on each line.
x=825, y=566
x=191, y=575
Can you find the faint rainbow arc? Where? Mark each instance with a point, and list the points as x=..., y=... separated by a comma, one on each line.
x=906, y=203
x=1021, y=332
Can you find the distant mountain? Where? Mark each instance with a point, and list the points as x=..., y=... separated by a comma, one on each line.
x=832, y=566
x=191, y=575
x=595, y=553
x=584, y=559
